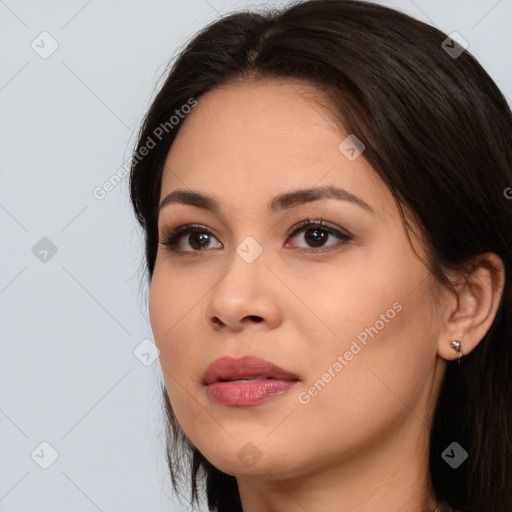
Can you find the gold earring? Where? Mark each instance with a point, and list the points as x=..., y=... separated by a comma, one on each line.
x=457, y=346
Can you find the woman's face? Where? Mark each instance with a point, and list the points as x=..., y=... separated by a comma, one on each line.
x=351, y=318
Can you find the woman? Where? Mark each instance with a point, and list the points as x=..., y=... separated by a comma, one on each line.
x=323, y=192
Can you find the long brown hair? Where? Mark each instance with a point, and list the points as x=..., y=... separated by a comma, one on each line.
x=438, y=131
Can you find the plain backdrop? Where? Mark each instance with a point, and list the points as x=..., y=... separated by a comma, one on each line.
x=80, y=410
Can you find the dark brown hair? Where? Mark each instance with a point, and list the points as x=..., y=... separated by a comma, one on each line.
x=439, y=133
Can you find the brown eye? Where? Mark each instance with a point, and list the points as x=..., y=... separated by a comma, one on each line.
x=316, y=237
x=316, y=234
x=198, y=239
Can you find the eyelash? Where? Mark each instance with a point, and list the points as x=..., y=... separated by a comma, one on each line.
x=172, y=237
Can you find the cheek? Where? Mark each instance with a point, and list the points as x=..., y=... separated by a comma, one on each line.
x=171, y=304
x=175, y=308
x=385, y=342
x=160, y=308
x=168, y=306
x=172, y=297
x=345, y=303
x=377, y=320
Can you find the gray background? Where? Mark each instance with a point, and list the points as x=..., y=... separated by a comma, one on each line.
x=70, y=321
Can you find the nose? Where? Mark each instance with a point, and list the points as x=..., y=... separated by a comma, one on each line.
x=246, y=297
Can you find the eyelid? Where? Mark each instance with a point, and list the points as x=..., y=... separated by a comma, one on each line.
x=318, y=222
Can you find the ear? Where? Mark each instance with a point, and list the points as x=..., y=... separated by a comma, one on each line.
x=470, y=313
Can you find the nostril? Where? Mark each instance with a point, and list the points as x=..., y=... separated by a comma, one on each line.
x=217, y=321
x=255, y=318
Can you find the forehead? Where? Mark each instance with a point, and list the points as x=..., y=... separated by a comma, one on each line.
x=259, y=139
x=278, y=113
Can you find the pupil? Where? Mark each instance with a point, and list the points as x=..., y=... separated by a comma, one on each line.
x=318, y=236
x=198, y=239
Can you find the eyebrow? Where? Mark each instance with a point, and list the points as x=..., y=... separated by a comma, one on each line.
x=281, y=202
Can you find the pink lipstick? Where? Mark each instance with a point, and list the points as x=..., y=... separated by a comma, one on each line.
x=246, y=381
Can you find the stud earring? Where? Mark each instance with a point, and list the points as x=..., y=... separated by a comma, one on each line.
x=457, y=346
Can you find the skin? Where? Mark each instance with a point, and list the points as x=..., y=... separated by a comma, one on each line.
x=360, y=444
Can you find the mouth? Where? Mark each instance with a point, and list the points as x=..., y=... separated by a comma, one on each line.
x=243, y=380
x=246, y=381
x=245, y=368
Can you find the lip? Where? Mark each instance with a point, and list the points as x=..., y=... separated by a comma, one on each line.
x=272, y=380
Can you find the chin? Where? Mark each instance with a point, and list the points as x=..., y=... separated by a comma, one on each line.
x=253, y=460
